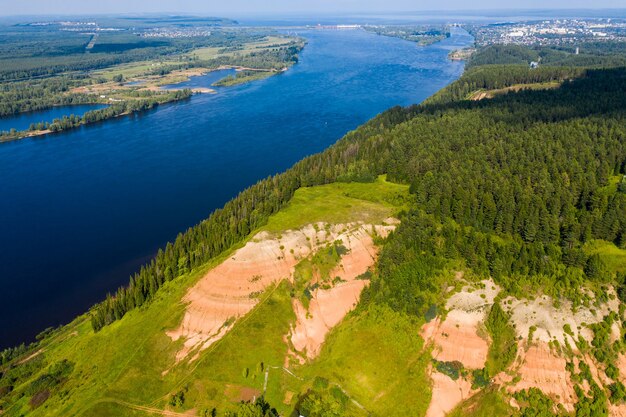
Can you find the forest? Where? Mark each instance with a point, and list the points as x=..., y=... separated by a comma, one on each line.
x=45, y=65
x=42, y=51
x=590, y=55
x=140, y=101
x=26, y=96
x=421, y=34
x=514, y=186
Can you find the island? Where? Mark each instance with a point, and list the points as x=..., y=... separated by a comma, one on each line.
x=124, y=63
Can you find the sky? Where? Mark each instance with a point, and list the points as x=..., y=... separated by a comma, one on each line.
x=250, y=7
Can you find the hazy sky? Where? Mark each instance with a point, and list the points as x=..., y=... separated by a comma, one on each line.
x=246, y=7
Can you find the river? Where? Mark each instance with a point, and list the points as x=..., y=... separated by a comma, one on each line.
x=23, y=121
x=81, y=210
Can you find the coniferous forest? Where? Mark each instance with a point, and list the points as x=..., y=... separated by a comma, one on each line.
x=515, y=186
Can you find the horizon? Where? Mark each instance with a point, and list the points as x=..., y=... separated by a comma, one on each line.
x=390, y=17
x=252, y=8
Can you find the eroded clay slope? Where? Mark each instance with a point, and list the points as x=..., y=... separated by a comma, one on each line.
x=232, y=289
x=329, y=306
x=546, y=337
x=458, y=339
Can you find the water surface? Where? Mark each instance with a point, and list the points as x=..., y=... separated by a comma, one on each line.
x=81, y=210
x=23, y=121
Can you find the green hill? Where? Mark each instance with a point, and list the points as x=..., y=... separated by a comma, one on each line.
x=500, y=292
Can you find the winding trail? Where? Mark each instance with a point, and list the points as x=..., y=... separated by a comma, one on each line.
x=142, y=408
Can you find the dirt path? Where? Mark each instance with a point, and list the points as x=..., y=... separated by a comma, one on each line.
x=145, y=409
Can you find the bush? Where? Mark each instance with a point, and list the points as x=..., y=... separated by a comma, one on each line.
x=480, y=378
x=452, y=369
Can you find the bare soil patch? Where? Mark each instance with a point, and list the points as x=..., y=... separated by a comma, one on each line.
x=328, y=307
x=447, y=394
x=231, y=290
x=542, y=368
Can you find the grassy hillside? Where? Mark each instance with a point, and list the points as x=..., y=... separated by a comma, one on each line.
x=129, y=365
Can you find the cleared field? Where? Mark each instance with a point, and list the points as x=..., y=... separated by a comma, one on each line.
x=132, y=70
x=214, y=52
x=484, y=94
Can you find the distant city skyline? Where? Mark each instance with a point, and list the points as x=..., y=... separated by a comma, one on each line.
x=248, y=7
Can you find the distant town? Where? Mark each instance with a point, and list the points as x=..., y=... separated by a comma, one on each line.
x=551, y=32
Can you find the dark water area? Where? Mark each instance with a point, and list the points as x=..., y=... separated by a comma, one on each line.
x=23, y=121
x=83, y=209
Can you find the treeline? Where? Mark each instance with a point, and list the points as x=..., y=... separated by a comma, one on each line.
x=591, y=54
x=532, y=166
x=269, y=59
x=30, y=53
x=35, y=95
x=421, y=34
x=491, y=77
x=242, y=77
x=38, y=67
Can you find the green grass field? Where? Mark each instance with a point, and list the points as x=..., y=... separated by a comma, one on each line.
x=376, y=356
x=214, y=52
x=613, y=257
x=487, y=403
x=341, y=203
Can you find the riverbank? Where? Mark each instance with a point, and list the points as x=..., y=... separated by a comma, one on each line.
x=118, y=109
x=142, y=80
x=117, y=93
x=134, y=182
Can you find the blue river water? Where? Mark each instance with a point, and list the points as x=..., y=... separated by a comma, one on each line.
x=83, y=209
x=22, y=121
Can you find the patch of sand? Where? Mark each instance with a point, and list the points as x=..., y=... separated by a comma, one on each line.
x=549, y=320
x=31, y=356
x=617, y=410
x=230, y=290
x=621, y=364
x=288, y=397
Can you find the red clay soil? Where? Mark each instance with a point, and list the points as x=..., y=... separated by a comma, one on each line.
x=230, y=290
x=457, y=339
x=447, y=394
x=329, y=306
x=541, y=368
